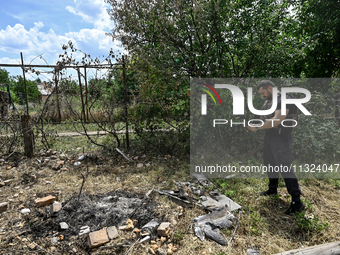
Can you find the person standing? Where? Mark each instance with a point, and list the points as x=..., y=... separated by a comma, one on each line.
x=277, y=147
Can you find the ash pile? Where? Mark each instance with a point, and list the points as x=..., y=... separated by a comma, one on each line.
x=92, y=213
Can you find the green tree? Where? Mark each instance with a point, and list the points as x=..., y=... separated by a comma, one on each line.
x=219, y=38
x=97, y=87
x=117, y=80
x=319, y=38
x=4, y=76
x=32, y=89
x=69, y=87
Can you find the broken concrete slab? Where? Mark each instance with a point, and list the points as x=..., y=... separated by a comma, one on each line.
x=45, y=200
x=218, y=201
x=112, y=232
x=98, y=238
x=63, y=225
x=253, y=251
x=55, y=207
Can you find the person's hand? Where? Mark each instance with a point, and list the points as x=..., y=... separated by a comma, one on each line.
x=252, y=129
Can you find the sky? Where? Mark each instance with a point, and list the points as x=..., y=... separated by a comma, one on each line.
x=40, y=28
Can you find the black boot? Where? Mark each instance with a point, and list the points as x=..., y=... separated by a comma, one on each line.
x=295, y=206
x=268, y=192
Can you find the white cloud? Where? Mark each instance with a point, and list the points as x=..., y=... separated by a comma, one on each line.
x=17, y=38
x=92, y=11
x=10, y=60
x=33, y=41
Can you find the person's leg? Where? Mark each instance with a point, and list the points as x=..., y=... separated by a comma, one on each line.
x=283, y=157
x=269, y=162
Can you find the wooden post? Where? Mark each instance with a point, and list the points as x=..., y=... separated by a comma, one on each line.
x=126, y=110
x=23, y=72
x=81, y=94
x=28, y=135
x=56, y=90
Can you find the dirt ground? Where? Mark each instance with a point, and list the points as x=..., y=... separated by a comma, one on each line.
x=262, y=222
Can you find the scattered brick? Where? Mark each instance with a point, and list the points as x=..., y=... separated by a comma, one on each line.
x=45, y=201
x=58, y=165
x=98, y=238
x=3, y=207
x=129, y=224
x=164, y=229
x=112, y=232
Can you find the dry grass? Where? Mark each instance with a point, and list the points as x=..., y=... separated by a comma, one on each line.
x=262, y=222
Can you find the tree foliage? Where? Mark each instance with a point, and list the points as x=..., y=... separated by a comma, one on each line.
x=217, y=38
x=319, y=38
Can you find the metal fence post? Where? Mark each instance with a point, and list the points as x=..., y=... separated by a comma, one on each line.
x=126, y=107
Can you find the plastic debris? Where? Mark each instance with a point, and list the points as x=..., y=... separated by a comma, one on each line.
x=84, y=230
x=25, y=210
x=82, y=157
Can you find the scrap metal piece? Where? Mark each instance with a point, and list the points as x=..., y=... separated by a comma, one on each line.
x=153, y=224
x=215, y=235
x=204, y=181
x=222, y=219
x=123, y=154
x=176, y=199
x=207, y=225
x=218, y=201
x=199, y=232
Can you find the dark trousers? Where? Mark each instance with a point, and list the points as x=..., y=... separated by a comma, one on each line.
x=277, y=151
